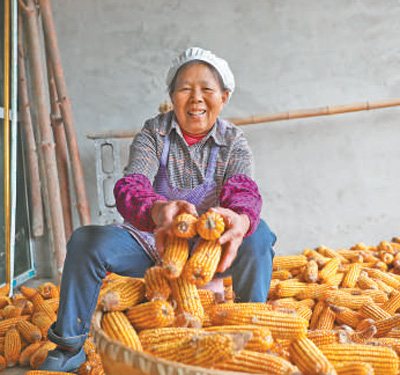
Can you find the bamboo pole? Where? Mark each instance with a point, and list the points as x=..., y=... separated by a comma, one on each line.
x=76, y=166
x=32, y=157
x=7, y=138
x=279, y=116
x=61, y=151
x=323, y=111
x=46, y=141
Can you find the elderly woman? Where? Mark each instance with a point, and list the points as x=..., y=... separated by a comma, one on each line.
x=186, y=160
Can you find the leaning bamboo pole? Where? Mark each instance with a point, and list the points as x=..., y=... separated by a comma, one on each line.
x=43, y=124
x=279, y=116
x=61, y=151
x=30, y=143
x=66, y=109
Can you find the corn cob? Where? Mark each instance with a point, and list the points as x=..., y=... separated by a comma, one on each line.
x=257, y=363
x=26, y=354
x=324, y=337
x=208, y=299
x=281, y=275
x=309, y=358
x=354, y=368
x=6, y=324
x=152, y=337
x=48, y=290
x=281, y=325
x=386, y=325
x=154, y=314
x=304, y=312
x=40, y=354
x=12, y=346
x=42, y=372
x=116, y=325
x=311, y=272
x=347, y=316
x=319, y=307
x=365, y=282
x=201, y=266
x=378, y=296
x=383, y=286
x=290, y=288
x=188, y=305
x=124, y=295
x=373, y=311
x=29, y=331
x=175, y=256
x=344, y=299
x=12, y=311
x=3, y=363
x=385, y=246
x=210, y=226
x=42, y=321
x=393, y=303
x=325, y=251
x=287, y=262
x=326, y=319
x=185, y=226
x=38, y=302
x=316, y=256
x=157, y=286
x=386, y=257
x=314, y=291
x=362, y=337
x=4, y=301
x=383, y=276
x=2, y=345
x=351, y=277
x=393, y=343
x=329, y=269
x=336, y=279
x=260, y=341
x=383, y=360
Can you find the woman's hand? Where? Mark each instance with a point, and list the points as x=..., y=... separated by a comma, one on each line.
x=163, y=215
x=237, y=225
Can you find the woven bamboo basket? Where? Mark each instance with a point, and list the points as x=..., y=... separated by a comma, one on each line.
x=118, y=359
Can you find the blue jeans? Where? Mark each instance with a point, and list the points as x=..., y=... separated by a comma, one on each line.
x=94, y=250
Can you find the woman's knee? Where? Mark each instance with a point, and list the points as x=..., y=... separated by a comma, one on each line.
x=260, y=243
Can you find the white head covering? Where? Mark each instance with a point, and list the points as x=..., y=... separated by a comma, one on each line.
x=196, y=53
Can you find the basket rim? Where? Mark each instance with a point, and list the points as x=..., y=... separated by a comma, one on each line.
x=131, y=357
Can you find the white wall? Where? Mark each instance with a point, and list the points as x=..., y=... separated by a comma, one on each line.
x=328, y=180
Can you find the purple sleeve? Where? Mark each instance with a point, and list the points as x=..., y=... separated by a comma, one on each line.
x=134, y=197
x=240, y=194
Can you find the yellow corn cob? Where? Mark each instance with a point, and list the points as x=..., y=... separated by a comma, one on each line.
x=210, y=226
x=40, y=354
x=288, y=302
x=287, y=262
x=201, y=266
x=175, y=256
x=383, y=276
x=329, y=269
x=393, y=303
x=311, y=272
x=154, y=314
x=354, y=368
x=42, y=321
x=326, y=319
x=362, y=337
x=289, y=288
x=271, y=292
x=206, y=350
x=281, y=348
x=1, y=345
x=351, y=277
x=386, y=257
x=116, y=325
x=383, y=360
x=386, y=325
x=4, y=301
x=12, y=347
x=158, y=336
x=54, y=303
x=335, y=280
x=252, y=362
x=157, y=286
x=365, y=282
x=383, y=286
x=48, y=290
x=188, y=305
x=185, y=226
x=124, y=295
x=344, y=299
x=38, y=302
x=314, y=291
x=373, y=311
x=317, y=257
x=365, y=324
x=319, y=307
x=385, y=246
x=42, y=372
x=3, y=363
x=208, y=299
x=281, y=325
x=6, y=324
x=347, y=316
x=393, y=343
x=309, y=358
x=26, y=354
x=12, y=311
x=110, y=282
x=378, y=296
x=304, y=312
x=281, y=275
x=324, y=337
x=29, y=331
x=331, y=254
x=260, y=341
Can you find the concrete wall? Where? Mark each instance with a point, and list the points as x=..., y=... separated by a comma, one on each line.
x=328, y=180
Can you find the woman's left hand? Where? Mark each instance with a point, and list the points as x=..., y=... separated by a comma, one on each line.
x=237, y=225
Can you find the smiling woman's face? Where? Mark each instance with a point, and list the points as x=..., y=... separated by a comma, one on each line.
x=197, y=98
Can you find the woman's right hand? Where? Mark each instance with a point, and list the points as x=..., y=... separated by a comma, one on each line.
x=163, y=215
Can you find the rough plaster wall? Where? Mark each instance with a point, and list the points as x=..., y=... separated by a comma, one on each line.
x=328, y=180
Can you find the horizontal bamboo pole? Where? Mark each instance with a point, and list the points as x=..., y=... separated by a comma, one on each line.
x=279, y=116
